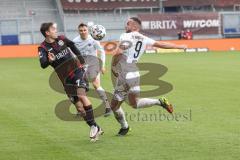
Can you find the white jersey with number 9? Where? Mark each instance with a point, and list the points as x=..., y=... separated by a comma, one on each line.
x=133, y=45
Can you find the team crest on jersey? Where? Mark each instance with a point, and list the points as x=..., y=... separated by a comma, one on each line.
x=60, y=43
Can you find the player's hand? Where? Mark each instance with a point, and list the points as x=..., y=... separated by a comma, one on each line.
x=51, y=57
x=103, y=70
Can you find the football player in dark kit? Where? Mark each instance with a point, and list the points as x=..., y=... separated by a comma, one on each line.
x=61, y=53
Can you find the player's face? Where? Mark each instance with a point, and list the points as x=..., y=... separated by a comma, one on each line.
x=129, y=26
x=52, y=32
x=83, y=31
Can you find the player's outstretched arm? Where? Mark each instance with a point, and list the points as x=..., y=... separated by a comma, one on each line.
x=167, y=45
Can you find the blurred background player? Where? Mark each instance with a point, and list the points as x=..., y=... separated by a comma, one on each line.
x=131, y=47
x=89, y=49
x=65, y=58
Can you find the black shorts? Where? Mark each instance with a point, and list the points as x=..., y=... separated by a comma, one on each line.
x=74, y=82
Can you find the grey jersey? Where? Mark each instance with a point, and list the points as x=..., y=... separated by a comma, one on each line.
x=89, y=47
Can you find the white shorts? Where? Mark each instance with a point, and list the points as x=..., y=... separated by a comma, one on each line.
x=125, y=84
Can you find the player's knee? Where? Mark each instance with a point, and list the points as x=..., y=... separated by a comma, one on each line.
x=96, y=84
x=132, y=98
x=80, y=109
x=113, y=106
x=82, y=98
x=82, y=113
x=133, y=104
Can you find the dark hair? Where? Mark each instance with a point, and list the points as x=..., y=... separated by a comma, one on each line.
x=45, y=27
x=82, y=25
x=135, y=19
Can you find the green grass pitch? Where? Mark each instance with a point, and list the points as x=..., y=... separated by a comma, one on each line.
x=206, y=92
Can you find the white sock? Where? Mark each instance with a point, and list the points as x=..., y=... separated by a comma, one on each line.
x=120, y=117
x=103, y=96
x=147, y=102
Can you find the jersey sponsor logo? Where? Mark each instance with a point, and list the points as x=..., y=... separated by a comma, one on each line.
x=62, y=53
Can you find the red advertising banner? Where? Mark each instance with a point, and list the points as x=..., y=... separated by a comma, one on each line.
x=171, y=24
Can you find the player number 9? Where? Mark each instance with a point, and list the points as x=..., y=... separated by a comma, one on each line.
x=137, y=49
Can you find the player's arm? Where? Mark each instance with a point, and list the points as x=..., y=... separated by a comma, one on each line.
x=46, y=58
x=72, y=46
x=43, y=57
x=102, y=55
x=119, y=50
x=116, y=55
x=116, y=58
x=167, y=45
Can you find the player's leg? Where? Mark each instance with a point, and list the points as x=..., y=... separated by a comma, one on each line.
x=118, y=97
x=137, y=102
x=82, y=87
x=79, y=107
x=133, y=82
x=120, y=117
x=85, y=110
x=102, y=94
x=95, y=130
x=93, y=75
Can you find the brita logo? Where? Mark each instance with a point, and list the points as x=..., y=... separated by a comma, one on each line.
x=165, y=24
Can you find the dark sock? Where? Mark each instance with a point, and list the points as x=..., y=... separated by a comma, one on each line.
x=89, y=118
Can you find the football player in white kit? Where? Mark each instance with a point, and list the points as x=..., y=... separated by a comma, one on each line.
x=131, y=46
x=88, y=48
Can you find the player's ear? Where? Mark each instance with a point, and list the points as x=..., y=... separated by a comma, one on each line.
x=135, y=26
x=47, y=33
